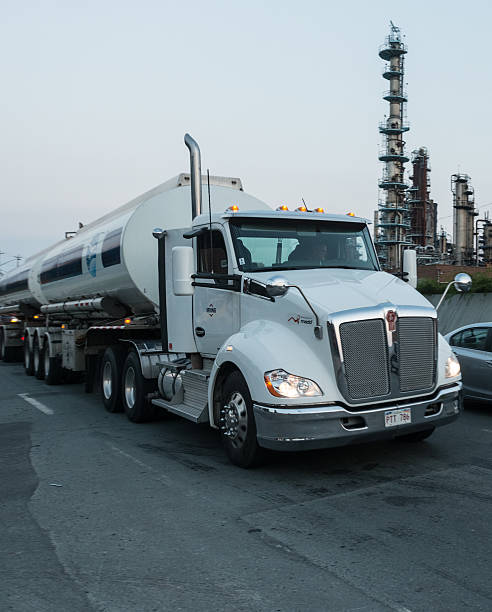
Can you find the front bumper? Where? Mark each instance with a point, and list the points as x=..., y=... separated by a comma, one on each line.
x=333, y=425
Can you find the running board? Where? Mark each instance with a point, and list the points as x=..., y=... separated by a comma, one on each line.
x=192, y=413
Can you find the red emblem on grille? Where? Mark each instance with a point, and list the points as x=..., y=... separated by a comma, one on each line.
x=391, y=317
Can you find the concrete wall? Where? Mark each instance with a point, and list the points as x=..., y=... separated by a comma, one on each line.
x=458, y=310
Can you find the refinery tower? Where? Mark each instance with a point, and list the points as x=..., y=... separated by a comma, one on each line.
x=392, y=218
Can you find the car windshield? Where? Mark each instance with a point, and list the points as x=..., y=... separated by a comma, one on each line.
x=292, y=244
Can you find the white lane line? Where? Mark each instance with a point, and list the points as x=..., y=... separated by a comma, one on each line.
x=34, y=402
x=162, y=477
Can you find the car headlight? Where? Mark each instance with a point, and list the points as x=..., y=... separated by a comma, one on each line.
x=282, y=384
x=452, y=366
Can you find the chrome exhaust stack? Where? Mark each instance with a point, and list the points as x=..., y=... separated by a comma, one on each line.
x=196, y=175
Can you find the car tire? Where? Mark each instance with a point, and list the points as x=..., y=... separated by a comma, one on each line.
x=237, y=424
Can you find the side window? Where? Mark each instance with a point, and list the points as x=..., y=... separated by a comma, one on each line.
x=456, y=339
x=473, y=338
x=212, y=254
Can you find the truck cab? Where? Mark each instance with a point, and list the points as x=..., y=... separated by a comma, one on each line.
x=300, y=339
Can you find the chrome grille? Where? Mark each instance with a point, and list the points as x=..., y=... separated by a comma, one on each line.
x=416, y=353
x=365, y=356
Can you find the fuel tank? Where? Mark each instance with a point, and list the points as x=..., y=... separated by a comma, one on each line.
x=116, y=256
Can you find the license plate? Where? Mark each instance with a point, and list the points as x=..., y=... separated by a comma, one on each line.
x=397, y=417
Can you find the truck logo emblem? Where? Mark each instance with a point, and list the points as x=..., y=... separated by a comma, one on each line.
x=391, y=318
x=211, y=310
x=295, y=319
x=90, y=256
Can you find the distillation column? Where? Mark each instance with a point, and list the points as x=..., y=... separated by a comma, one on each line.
x=464, y=214
x=393, y=212
x=422, y=210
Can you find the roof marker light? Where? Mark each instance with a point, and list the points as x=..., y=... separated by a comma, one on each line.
x=301, y=209
x=283, y=207
x=233, y=208
x=350, y=214
x=319, y=210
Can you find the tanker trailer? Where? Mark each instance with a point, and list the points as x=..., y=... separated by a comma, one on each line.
x=79, y=306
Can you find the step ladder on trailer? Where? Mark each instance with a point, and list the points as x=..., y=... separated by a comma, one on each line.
x=195, y=396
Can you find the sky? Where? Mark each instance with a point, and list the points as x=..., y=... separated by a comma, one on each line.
x=97, y=95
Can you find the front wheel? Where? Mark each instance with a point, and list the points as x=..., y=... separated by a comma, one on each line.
x=237, y=424
x=134, y=391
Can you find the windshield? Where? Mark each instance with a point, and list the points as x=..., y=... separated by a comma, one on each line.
x=291, y=244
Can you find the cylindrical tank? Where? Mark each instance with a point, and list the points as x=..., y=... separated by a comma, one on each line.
x=116, y=256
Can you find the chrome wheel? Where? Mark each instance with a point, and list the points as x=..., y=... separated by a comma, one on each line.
x=130, y=387
x=27, y=354
x=36, y=356
x=107, y=380
x=46, y=361
x=234, y=420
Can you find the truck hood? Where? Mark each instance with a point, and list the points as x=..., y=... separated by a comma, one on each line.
x=335, y=289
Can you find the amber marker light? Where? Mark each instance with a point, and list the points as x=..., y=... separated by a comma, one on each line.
x=319, y=210
x=301, y=209
x=36, y=317
x=283, y=207
x=350, y=214
x=63, y=326
x=128, y=321
x=233, y=208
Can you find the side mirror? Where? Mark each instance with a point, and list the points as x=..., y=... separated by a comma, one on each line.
x=183, y=260
x=276, y=286
x=462, y=282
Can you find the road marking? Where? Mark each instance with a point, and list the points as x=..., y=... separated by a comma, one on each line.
x=487, y=430
x=162, y=477
x=34, y=402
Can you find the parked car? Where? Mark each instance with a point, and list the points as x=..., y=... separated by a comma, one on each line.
x=473, y=347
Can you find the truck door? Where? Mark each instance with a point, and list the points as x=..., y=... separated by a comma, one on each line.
x=215, y=300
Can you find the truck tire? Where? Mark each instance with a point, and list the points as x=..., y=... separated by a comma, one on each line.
x=38, y=359
x=110, y=378
x=238, y=427
x=52, y=369
x=134, y=391
x=417, y=436
x=28, y=359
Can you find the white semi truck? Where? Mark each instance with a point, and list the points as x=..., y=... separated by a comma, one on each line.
x=276, y=327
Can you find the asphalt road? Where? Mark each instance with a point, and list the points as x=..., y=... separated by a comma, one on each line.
x=97, y=513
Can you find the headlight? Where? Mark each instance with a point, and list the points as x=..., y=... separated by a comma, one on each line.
x=452, y=367
x=282, y=384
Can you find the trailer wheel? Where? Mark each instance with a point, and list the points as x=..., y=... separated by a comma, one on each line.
x=238, y=427
x=111, y=366
x=28, y=358
x=38, y=359
x=52, y=368
x=134, y=391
